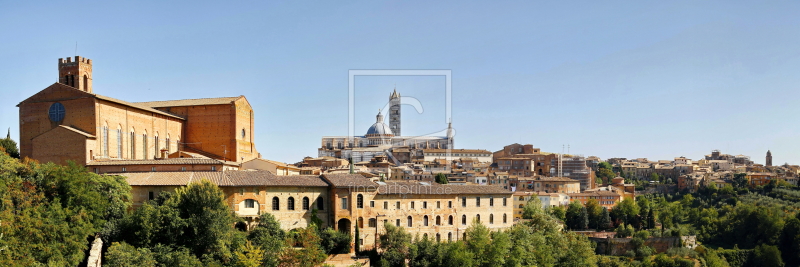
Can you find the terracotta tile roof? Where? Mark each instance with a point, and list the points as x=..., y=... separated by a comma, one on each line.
x=395, y=188
x=348, y=180
x=173, y=178
x=266, y=178
x=190, y=102
x=226, y=178
x=172, y=161
x=137, y=105
x=593, y=194
x=109, y=99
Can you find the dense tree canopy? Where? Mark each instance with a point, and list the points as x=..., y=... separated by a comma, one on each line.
x=49, y=212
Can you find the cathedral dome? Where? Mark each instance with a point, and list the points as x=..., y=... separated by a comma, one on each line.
x=379, y=128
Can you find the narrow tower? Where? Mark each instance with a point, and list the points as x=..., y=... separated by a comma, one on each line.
x=394, y=113
x=76, y=73
x=769, y=158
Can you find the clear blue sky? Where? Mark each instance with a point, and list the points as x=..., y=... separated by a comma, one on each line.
x=655, y=79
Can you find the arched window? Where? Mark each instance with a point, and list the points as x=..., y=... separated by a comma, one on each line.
x=491, y=218
x=520, y=206
x=119, y=143
x=450, y=237
x=425, y=220
x=85, y=83
x=105, y=141
x=450, y=220
x=290, y=203
x=360, y=223
x=360, y=201
x=155, y=146
x=504, y=218
x=144, y=145
x=463, y=219
x=305, y=203
x=438, y=237
x=478, y=218
x=438, y=220
x=410, y=221
x=320, y=204
x=243, y=133
x=491, y=201
x=133, y=144
x=167, y=145
x=276, y=203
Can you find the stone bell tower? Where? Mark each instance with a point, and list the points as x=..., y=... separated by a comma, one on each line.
x=769, y=158
x=76, y=73
x=394, y=113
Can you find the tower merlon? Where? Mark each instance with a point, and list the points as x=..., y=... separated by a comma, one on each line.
x=78, y=59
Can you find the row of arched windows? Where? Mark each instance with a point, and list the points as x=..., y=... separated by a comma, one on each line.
x=145, y=144
x=290, y=205
x=438, y=220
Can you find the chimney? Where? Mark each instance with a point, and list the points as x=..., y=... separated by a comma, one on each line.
x=163, y=153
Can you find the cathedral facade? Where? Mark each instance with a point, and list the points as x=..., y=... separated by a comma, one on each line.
x=67, y=121
x=382, y=138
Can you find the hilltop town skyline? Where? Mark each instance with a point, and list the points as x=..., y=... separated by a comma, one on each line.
x=605, y=81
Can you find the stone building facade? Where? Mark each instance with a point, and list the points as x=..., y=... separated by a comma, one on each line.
x=441, y=212
x=343, y=201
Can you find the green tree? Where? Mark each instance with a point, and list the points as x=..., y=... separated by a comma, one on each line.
x=48, y=211
x=654, y=177
x=357, y=241
x=441, y=178
x=579, y=252
x=425, y=253
x=249, y=255
x=768, y=256
x=335, y=242
x=740, y=180
x=307, y=251
x=9, y=145
x=488, y=249
x=174, y=256
x=651, y=219
x=577, y=216
x=395, y=244
x=195, y=217
x=209, y=219
x=605, y=172
x=269, y=237
x=125, y=255
x=790, y=242
x=559, y=213
x=595, y=213
x=604, y=221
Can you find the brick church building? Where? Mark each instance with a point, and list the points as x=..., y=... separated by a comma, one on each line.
x=68, y=121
